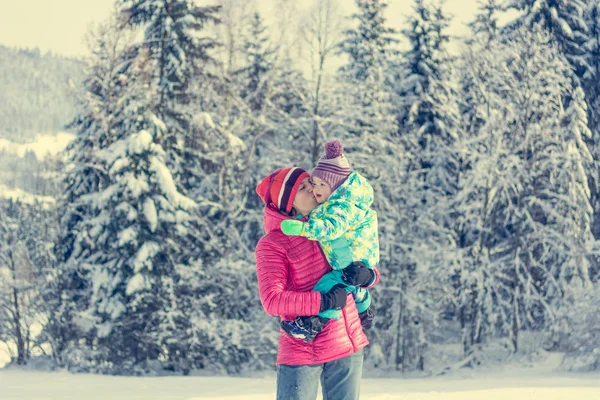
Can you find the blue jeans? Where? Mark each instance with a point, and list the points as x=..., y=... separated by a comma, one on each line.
x=340, y=379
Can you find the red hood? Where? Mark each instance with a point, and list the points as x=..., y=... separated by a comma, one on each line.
x=272, y=219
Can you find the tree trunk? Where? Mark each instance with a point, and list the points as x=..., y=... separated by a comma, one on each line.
x=21, y=359
x=399, y=336
x=515, y=322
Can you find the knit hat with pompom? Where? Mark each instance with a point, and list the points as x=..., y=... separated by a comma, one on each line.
x=333, y=167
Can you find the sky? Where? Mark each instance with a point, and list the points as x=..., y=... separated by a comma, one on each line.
x=60, y=25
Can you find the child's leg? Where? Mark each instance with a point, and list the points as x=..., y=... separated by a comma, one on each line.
x=304, y=327
x=307, y=327
x=324, y=285
x=362, y=298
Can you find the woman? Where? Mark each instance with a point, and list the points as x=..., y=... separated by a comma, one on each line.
x=288, y=267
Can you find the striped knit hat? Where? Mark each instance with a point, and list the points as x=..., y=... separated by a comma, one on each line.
x=281, y=186
x=333, y=167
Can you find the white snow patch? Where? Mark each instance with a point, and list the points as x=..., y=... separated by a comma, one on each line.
x=144, y=255
x=42, y=145
x=151, y=214
x=25, y=197
x=237, y=144
x=167, y=185
x=136, y=284
x=119, y=165
x=158, y=123
x=203, y=120
x=140, y=142
x=23, y=385
x=136, y=184
x=126, y=236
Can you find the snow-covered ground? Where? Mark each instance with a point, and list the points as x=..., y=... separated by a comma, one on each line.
x=526, y=384
x=42, y=145
x=16, y=193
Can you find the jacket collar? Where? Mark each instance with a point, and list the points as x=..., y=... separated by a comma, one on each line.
x=272, y=218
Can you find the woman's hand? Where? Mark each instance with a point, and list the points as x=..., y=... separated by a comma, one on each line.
x=357, y=274
x=334, y=299
x=292, y=227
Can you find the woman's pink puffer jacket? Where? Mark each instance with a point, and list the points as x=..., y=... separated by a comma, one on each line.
x=288, y=267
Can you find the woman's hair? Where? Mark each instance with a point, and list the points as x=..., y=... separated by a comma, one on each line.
x=293, y=213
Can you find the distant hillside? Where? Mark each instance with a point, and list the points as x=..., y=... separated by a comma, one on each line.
x=34, y=92
x=32, y=168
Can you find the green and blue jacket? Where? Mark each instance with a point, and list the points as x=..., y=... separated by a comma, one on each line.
x=345, y=225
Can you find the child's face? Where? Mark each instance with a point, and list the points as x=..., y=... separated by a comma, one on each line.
x=321, y=189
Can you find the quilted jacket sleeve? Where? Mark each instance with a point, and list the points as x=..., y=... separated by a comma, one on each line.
x=272, y=273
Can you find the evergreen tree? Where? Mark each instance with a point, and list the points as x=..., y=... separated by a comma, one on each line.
x=369, y=45
x=591, y=86
x=486, y=19
x=563, y=20
x=428, y=116
x=370, y=52
x=141, y=232
x=525, y=194
x=366, y=106
x=97, y=126
x=174, y=37
x=256, y=76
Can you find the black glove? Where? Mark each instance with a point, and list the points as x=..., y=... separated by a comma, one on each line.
x=357, y=274
x=334, y=299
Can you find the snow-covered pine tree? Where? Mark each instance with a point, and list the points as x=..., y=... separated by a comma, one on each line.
x=538, y=204
x=227, y=331
x=142, y=232
x=176, y=38
x=472, y=276
x=568, y=211
x=366, y=100
x=232, y=138
x=486, y=19
x=368, y=45
x=256, y=75
x=563, y=20
x=369, y=48
x=97, y=126
x=591, y=77
x=429, y=132
x=584, y=339
x=591, y=87
x=205, y=122
x=141, y=228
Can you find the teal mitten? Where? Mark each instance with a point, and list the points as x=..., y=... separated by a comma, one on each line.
x=291, y=227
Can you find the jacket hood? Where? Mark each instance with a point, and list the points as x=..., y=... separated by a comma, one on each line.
x=356, y=189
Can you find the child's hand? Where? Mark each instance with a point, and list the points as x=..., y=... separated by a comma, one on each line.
x=291, y=227
x=357, y=274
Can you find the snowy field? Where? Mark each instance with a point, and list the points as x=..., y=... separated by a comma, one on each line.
x=511, y=385
x=42, y=145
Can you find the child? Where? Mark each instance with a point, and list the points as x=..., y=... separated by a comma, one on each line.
x=346, y=228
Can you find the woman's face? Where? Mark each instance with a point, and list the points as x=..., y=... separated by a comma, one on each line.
x=321, y=189
x=305, y=202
